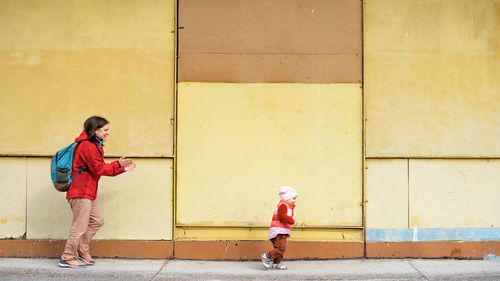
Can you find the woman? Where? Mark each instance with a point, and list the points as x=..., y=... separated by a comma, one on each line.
x=82, y=193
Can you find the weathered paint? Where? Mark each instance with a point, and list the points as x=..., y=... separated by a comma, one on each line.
x=13, y=197
x=431, y=78
x=251, y=250
x=431, y=91
x=386, y=187
x=432, y=200
x=139, y=205
x=133, y=249
x=101, y=248
x=454, y=193
x=86, y=24
x=238, y=143
x=135, y=205
x=61, y=62
x=208, y=250
x=218, y=233
x=292, y=41
x=446, y=249
x=433, y=234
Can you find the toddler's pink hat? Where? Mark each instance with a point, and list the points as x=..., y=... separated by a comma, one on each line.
x=287, y=193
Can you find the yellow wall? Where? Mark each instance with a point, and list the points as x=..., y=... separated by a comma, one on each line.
x=454, y=193
x=432, y=193
x=251, y=233
x=386, y=193
x=238, y=143
x=432, y=91
x=431, y=78
x=135, y=205
x=62, y=61
x=13, y=197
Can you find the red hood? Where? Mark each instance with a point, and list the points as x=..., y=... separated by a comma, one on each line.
x=89, y=154
x=83, y=136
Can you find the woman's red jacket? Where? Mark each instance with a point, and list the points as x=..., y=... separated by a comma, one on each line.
x=89, y=154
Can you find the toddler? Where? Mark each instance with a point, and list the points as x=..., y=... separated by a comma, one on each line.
x=279, y=231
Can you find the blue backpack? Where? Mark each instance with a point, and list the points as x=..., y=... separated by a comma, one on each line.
x=61, y=166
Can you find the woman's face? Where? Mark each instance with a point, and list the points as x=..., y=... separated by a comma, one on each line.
x=103, y=132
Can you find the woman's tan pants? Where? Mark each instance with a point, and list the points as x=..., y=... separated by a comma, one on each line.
x=87, y=219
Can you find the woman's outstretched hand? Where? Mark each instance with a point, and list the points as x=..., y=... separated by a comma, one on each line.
x=127, y=164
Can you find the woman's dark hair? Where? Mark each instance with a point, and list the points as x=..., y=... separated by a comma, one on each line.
x=92, y=124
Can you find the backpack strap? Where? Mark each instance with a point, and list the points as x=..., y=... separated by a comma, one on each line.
x=82, y=168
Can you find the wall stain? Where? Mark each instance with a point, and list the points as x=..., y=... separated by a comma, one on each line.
x=455, y=252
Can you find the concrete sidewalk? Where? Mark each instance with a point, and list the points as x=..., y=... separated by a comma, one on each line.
x=356, y=269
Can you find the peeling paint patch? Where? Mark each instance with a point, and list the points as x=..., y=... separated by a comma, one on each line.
x=11, y=219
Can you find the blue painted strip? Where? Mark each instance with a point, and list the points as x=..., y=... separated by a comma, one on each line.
x=432, y=234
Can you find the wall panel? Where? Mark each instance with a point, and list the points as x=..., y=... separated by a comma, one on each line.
x=238, y=143
x=431, y=78
x=270, y=41
x=261, y=234
x=387, y=193
x=454, y=193
x=432, y=200
x=321, y=68
x=135, y=205
x=49, y=215
x=61, y=62
x=13, y=197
